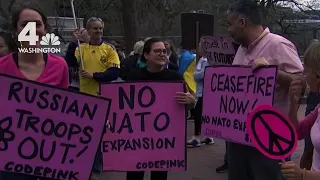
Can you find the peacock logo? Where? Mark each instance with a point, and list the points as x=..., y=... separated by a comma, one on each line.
x=50, y=39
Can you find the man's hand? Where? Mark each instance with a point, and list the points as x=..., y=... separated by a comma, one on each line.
x=258, y=63
x=84, y=36
x=85, y=74
x=80, y=34
x=75, y=35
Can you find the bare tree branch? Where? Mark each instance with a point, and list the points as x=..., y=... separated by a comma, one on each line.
x=11, y=3
x=6, y=13
x=108, y=5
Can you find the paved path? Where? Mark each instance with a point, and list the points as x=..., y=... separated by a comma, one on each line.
x=202, y=161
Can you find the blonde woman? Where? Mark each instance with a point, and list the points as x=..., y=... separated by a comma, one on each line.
x=311, y=124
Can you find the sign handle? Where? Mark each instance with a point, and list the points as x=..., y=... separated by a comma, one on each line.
x=76, y=26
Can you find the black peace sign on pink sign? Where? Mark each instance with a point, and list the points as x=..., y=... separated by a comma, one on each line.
x=272, y=133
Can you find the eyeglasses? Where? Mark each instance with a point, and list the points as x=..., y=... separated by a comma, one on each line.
x=159, y=51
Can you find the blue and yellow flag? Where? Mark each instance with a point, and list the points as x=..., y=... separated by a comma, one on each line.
x=187, y=66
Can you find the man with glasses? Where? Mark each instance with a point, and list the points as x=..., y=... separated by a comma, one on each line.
x=100, y=64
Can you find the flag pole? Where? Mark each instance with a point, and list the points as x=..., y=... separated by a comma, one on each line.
x=76, y=26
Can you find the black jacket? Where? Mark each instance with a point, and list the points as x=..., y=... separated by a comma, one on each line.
x=128, y=64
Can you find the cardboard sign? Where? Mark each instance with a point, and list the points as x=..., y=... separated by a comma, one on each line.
x=47, y=131
x=272, y=133
x=229, y=94
x=219, y=50
x=148, y=127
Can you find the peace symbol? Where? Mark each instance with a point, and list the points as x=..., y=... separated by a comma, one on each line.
x=274, y=138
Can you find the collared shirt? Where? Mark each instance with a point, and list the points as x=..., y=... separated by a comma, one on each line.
x=277, y=51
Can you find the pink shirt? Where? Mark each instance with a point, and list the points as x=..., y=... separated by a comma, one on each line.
x=311, y=125
x=55, y=72
x=277, y=51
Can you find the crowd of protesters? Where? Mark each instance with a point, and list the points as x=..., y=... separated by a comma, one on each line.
x=93, y=61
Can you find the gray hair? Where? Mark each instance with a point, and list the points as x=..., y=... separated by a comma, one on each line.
x=147, y=38
x=92, y=19
x=138, y=47
x=314, y=41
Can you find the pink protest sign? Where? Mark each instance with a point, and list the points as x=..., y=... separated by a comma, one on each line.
x=272, y=133
x=229, y=94
x=147, y=127
x=47, y=131
x=219, y=50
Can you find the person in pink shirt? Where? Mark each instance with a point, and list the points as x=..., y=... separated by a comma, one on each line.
x=40, y=67
x=259, y=47
x=43, y=68
x=311, y=124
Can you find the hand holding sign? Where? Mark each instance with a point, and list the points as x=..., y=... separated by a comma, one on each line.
x=258, y=63
x=291, y=171
x=184, y=98
x=272, y=133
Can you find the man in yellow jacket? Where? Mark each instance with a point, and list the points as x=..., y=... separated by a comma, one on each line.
x=100, y=59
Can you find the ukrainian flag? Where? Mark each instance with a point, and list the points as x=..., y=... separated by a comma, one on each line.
x=187, y=66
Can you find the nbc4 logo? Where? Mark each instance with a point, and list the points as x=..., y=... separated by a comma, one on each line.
x=29, y=34
x=50, y=38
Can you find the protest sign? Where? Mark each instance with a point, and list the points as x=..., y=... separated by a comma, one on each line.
x=147, y=127
x=219, y=50
x=48, y=131
x=272, y=133
x=229, y=94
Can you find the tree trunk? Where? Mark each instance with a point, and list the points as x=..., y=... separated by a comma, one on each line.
x=129, y=24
